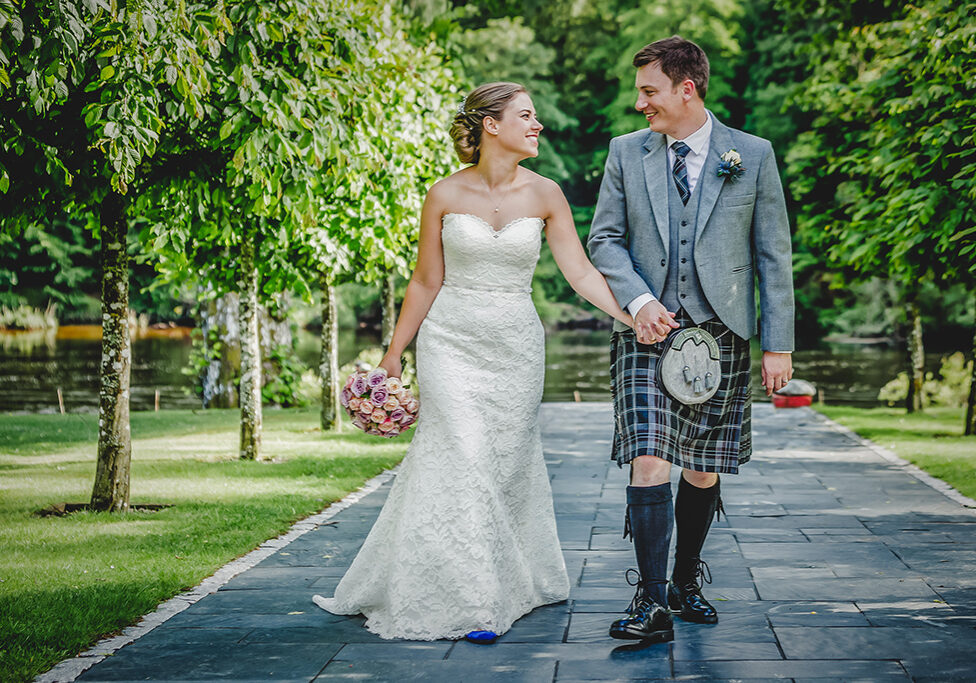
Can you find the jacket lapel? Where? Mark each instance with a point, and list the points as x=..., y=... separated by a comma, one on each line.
x=711, y=183
x=656, y=179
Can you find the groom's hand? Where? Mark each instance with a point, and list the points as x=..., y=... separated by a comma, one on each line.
x=777, y=369
x=653, y=322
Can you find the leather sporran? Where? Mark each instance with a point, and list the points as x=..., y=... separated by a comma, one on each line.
x=690, y=369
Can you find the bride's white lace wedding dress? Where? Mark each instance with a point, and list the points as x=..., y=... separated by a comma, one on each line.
x=467, y=538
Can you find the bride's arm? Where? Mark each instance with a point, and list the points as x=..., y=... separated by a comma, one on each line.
x=585, y=279
x=424, y=284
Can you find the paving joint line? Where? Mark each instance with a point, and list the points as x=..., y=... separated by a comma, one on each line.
x=920, y=474
x=69, y=669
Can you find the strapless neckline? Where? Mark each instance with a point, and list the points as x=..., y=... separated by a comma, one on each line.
x=489, y=225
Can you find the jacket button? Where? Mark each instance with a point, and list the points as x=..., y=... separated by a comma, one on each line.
x=684, y=278
x=663, y=262
x=684, y=223
x=684, y=260
x=684, y=241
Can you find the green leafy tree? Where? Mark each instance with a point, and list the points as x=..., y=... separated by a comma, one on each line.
x=886, y=173
x=83, y=95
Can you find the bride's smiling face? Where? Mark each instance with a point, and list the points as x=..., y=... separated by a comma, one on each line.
x=518, y=129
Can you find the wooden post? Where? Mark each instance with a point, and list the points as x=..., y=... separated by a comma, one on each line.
x=157, y=400
x=60, y=400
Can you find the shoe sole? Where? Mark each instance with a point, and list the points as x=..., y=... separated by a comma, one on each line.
x=653, y=636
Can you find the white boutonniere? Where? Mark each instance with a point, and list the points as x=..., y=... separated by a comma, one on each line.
x=731, y=166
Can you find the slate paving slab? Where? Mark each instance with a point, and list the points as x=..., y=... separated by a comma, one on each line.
x=835, y=562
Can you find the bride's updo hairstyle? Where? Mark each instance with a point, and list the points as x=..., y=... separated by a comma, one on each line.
x=489, y=99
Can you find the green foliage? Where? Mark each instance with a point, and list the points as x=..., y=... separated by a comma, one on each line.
x=712, y=24
x=950, y=388
x=887, y=174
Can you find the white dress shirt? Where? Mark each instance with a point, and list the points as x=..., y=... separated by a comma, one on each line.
x=694, y=163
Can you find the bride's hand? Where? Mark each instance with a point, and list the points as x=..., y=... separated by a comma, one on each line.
x=392, y=365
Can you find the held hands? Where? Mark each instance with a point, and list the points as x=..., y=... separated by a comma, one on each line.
x=653, y=323
x=777, y=370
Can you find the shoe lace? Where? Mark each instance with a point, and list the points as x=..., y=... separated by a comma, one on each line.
x=701, y=576
x=639, y=594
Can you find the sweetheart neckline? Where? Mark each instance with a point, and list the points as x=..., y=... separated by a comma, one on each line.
x=489, y=225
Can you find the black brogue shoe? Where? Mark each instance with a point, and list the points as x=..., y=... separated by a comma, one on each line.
x=647, y=621
x=686, y=600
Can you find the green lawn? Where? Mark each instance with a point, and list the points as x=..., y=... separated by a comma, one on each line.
x=932, y=440
x=67, y=581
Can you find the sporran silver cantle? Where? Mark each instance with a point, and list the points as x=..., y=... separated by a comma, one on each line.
x=690, y=369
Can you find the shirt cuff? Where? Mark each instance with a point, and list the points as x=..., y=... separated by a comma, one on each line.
x=639, y=303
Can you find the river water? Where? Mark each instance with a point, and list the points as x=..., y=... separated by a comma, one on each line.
x=33, y=367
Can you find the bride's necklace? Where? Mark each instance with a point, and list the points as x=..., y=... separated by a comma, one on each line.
x=491, y=197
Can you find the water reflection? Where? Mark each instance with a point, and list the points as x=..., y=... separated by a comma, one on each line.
x=34, y=366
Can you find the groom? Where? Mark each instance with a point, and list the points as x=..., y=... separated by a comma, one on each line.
x=690, y=213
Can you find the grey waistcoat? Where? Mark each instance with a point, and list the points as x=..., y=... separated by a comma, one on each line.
x=681, y=287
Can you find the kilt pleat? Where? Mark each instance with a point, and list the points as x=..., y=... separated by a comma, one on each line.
x=714, y=436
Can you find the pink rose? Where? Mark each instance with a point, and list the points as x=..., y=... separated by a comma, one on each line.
x=359, y=385
x=366, y=407
x=407, y=420
x=402, y=394
x=376, y=377
x=378, y=415
x=349, y=380
x=379, y=395
x=391, y=404
x=386, y=425
x=394, y=384
x=358, y=423
x=344, y=398
x=411, y=405
x=354, y=403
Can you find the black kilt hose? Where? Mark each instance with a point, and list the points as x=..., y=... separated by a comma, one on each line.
x=714, y=436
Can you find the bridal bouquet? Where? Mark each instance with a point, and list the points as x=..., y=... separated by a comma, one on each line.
x=379, y=404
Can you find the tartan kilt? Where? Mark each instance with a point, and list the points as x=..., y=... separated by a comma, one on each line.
x=714, y=436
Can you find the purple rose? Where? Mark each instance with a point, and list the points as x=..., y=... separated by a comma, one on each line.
x=407, y=420
x=379, y=395
x=359, y=385
x=376, y=377
x=397, y=414
x=344, y=398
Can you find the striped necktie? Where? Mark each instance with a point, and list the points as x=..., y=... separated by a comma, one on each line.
x=680, y=171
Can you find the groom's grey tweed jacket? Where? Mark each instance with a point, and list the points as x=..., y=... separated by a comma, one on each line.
x=742, y=231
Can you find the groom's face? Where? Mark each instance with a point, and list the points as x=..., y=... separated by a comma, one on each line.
x=660, y=101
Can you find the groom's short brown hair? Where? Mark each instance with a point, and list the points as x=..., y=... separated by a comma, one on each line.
x=679, y=59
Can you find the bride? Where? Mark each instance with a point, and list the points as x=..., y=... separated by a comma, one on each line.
x=466, y=542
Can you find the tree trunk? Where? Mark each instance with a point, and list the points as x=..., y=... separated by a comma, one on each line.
x=222, y=320
x=111, y=489
x=250, y=392
x=329, y=359
x=916, y=358
x=971, y=403
x=389, y=309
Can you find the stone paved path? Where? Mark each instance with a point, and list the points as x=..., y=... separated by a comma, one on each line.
x=834, y=563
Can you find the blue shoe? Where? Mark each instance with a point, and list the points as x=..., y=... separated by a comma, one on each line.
x=481, y=637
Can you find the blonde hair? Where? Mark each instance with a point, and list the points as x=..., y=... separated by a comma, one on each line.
x=489, y=99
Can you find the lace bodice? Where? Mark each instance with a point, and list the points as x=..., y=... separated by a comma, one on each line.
x=477, y=256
